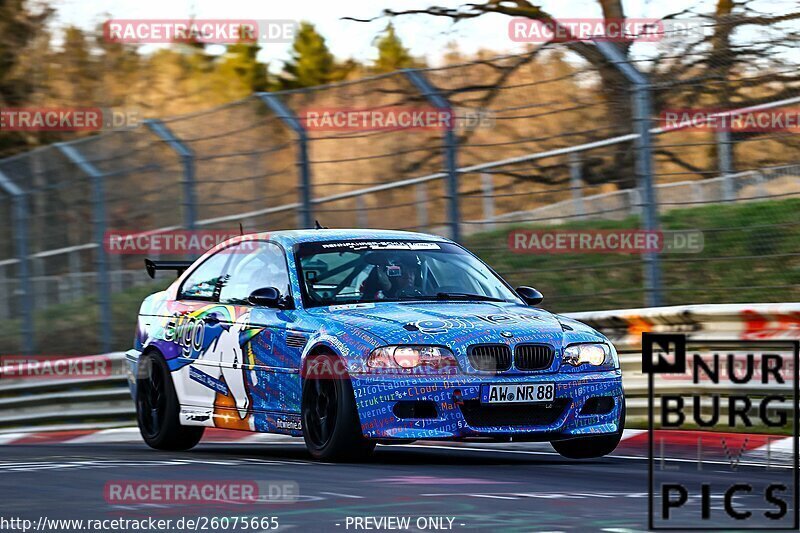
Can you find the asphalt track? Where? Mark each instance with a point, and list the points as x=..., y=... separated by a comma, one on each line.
x=494, y=489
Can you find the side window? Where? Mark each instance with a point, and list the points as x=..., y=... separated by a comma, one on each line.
x=201, y=283
x=256, y=264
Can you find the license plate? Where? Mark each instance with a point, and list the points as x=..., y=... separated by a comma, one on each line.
x=518, y=393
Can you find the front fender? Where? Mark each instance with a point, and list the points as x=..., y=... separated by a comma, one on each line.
x=351, y=344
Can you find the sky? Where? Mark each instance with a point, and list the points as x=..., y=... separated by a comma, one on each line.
x=426, y=36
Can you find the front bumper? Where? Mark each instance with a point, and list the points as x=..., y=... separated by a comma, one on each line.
x=398, y=407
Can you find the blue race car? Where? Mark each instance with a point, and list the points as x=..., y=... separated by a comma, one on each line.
x=350, y=338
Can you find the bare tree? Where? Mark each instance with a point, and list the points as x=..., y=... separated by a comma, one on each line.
x=717, y=70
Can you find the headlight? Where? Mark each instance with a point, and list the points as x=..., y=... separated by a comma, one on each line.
x=409, y=358
x=592, y=354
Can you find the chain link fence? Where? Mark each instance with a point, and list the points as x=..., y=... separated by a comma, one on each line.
x=556, y=137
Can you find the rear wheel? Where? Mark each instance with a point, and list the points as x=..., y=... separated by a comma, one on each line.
x=157, y=408
x=594, y=446
x=331, y=427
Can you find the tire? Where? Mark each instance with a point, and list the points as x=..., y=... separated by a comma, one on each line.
x=331, y=427
x=591, y=447
x=157, y=407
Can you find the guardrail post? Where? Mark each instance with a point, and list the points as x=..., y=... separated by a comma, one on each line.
x=276, y=105
x=115, y=272
x=643, y=107
x=39, y=283
x=362, y=217
x=187, y=160
x=635, y=202
x=422, y=205
x=5, y=304
x=76, y=283
x=487, y=189
x=99, y=223
x=576, y=183
x=725, y=162
x=20, y=221
x=418, y=79
x=760, y=183
x=698, y=192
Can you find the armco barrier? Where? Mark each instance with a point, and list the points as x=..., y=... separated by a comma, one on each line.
x=99, y=403
x=748, y=322
x=67, y=403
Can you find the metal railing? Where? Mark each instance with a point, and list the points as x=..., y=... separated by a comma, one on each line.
x=557, y=152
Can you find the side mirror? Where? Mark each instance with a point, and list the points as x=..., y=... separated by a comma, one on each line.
x=265, y=297
x=530, y=295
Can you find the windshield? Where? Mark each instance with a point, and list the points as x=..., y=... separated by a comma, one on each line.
x=334, y=273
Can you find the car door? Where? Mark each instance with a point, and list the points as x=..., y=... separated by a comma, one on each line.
x=190, y=330
x=251, y=351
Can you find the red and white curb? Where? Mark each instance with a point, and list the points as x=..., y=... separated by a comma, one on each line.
x=733, y=448
x=687, y=445
x=130, y=435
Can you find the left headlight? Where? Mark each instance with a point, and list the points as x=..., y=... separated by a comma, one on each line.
x=593, y=354
x=412, y=358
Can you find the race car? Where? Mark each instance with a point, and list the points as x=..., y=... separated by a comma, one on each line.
x=351, y=338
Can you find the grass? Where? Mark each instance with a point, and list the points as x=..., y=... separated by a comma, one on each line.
x=74, y=328
x=751, y=254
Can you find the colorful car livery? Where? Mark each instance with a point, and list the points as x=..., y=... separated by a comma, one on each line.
x=350, y=338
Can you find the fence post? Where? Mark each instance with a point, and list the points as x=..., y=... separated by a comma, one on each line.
x=99, y=224
x=725, y=162
x=643, y=107
x=576, y=183
x=187, y=160
x=20, y=221
x=276, y=105
x=418, y=79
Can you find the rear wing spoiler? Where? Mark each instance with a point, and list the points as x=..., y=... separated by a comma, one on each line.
x=178, y=266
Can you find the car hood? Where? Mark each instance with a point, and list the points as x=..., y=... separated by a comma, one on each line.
x=458, y=325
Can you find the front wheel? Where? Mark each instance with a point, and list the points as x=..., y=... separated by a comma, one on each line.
x=157, y=408
x=331, y=427
x=593, y=446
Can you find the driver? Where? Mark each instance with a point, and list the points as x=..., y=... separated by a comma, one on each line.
x=398, y=277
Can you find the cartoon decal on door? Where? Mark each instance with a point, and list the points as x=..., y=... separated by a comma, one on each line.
x=211, y=346
x=227, y=352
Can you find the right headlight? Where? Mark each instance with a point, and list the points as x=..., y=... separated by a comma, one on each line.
x=595, y=354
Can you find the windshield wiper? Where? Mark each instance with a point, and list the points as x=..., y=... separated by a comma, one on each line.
x=444, y=296
x=466, y=296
